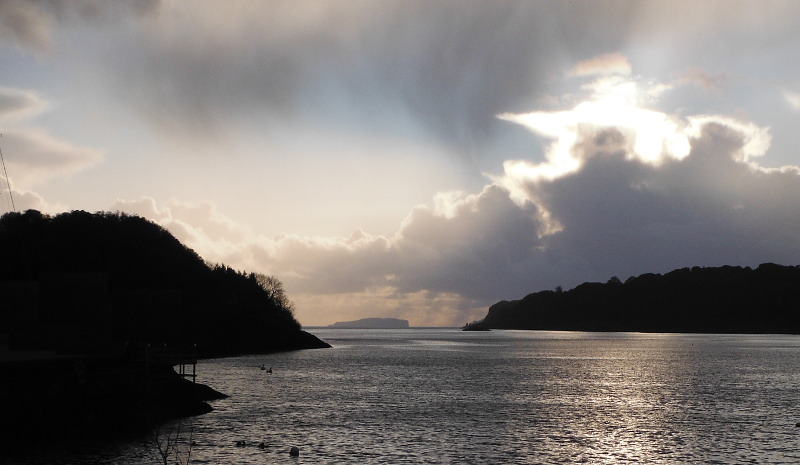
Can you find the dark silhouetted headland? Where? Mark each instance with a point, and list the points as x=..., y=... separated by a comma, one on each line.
x=724, y=299
x=89, y=279
x=372, y=323
x=98, y=308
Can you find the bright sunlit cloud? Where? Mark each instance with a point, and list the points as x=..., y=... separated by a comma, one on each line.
x=615, y=102
x=755, y=140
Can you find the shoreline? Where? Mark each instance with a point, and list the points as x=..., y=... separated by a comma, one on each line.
x=67, y=397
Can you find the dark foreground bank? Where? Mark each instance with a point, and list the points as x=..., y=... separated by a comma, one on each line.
x=57, y=399
x=97, y=309
x=52, y=398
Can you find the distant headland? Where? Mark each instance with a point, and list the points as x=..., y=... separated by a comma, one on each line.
x=372, y=323
x=727, y=299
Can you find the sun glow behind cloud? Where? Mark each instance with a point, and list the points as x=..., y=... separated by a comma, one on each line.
x=615, y=101
x=620, y=102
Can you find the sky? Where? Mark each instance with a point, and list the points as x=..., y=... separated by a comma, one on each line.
x=411, y=158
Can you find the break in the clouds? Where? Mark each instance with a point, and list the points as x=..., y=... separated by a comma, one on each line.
x=384, y=64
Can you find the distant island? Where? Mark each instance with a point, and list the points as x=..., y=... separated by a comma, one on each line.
x=372, y=323
x=727, y=299
x=96, y=310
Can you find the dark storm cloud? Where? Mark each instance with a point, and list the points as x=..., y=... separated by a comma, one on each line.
x=450, y=66
x=445, y=67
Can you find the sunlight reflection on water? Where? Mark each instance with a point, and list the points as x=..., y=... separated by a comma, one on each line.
x=444, y=396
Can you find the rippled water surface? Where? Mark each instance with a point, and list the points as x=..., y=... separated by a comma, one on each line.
x=445, y=396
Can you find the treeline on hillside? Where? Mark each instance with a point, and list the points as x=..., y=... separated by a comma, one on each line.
x=114, y=277
x=726, y=299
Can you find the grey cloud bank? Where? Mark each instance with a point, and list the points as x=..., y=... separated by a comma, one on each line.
x=616, y=216
x=445, y=68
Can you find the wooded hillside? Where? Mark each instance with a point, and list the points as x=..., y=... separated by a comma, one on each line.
x=97, y=279
x=726, y=299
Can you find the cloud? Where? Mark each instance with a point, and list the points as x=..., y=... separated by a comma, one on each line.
x=793, y=99
x=698, y=76
x=34, y=157
x=615, y=214
x=211, y=68
x=433, y=271
x=199, y=225
x=755, y=140
x=374, y=67
x=618, y=179
x=615, y=102
x=24, y=200
x=18, y=145
x=16, y=104
x=23, y=23
x=611, y=63
x=30, y=24
x=616, y=211
x=485, y=235
x=343, y=64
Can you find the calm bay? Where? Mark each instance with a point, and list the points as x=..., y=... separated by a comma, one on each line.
x=500, y=397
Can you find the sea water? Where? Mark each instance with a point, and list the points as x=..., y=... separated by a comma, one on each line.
x=501, y=397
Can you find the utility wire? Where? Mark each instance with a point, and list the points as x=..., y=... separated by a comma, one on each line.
x=24, y=249
x=8, y=182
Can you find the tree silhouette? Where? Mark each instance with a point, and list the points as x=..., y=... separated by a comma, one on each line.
x=274, y=288
x=153, y=287
x=725, y=299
